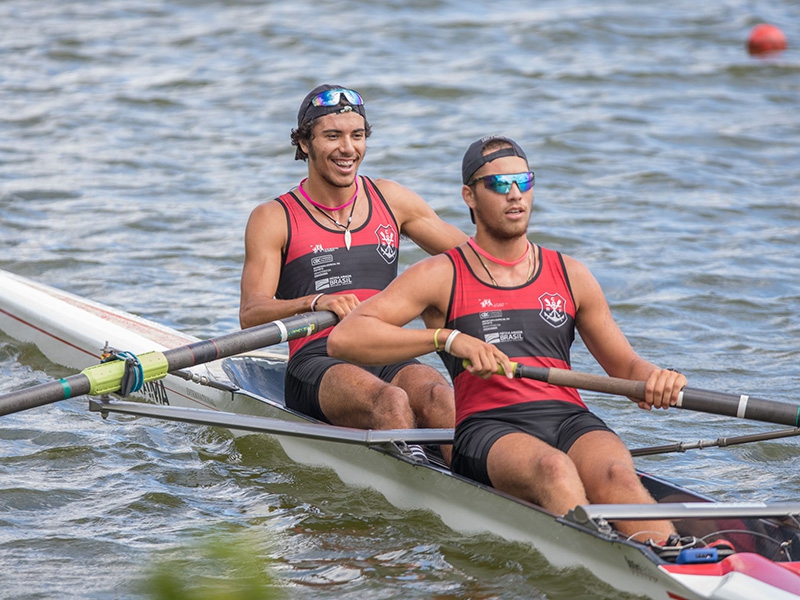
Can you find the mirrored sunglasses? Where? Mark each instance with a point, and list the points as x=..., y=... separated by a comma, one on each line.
x=502, y=183
x=333, y=97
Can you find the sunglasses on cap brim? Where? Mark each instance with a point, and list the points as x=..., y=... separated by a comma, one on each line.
x=502, y=183
x=334, y=97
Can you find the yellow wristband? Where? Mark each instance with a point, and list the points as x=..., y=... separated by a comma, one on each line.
x=436, y=339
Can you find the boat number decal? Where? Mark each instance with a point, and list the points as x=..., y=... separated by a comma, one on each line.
x=155, y=392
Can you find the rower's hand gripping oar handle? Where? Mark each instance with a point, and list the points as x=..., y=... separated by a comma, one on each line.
x=718, y=403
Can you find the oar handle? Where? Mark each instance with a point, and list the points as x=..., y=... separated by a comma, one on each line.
x=718, y=403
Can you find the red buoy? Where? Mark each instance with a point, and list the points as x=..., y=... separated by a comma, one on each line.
x=766, y=38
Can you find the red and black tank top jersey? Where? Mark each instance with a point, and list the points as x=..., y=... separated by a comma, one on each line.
x=316, y=259
x=533, y=324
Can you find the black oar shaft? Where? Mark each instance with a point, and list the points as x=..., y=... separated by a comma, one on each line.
x=743, y=406
x=718, y=403
x=722, y=442
x=246, y=340
x=106, y=378
x=45, y=393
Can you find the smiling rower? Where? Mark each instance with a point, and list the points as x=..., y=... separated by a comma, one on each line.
x=328, y=244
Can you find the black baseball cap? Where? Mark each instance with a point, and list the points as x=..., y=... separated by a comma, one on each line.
x=326, y=99
x=474, y=158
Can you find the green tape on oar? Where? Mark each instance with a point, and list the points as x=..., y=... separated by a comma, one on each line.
x=107, y=377
x=67, y=388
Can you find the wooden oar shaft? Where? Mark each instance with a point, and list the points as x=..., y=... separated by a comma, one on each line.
x=718, y=403
x=106, y=377
x=583, y=381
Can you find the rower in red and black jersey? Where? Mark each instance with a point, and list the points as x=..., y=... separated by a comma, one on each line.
x=533, y=323
x=316, y=260
x=329, y=244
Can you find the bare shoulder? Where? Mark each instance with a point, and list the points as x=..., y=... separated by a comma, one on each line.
x=266, y=227
x=423, y=286
x=426, y=278
x=267, y=216
x=405, y=203
x=585, y=288
x=266, y=211
x=430, y=269
x=575, y=268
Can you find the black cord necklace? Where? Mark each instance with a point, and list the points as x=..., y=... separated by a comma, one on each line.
x=489, y=273
x=347, y=237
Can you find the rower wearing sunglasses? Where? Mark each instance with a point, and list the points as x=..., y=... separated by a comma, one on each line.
x=330, y=243
x=498, y=296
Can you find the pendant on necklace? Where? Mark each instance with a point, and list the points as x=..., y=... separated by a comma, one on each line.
x=347, y=238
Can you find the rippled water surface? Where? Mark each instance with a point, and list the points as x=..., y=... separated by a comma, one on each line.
x=136, y=136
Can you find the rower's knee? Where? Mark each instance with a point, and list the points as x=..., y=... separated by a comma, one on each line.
x=391, y=409
x=437, y=407
x=556, y=469
x=553, y=483
x=620, y=474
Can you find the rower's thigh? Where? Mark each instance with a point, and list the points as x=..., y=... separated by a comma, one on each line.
x=352, y=396
x=525, y=466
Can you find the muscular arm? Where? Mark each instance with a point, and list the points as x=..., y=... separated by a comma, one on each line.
x=418, y=220
x=373, y=334
x=264, y=240
x=610, y=347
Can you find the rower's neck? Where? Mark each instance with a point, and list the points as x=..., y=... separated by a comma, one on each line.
x=331, y=196
x=503, y=250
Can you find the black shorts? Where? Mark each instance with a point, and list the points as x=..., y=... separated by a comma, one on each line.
x=556, y=423
x=304, y=375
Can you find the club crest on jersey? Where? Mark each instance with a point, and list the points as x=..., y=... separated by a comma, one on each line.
x=553, y=309
x=386, y=243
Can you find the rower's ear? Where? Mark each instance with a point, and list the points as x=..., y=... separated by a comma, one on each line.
x=469, y=196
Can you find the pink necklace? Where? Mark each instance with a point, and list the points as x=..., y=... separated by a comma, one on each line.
x=321, y=207
x=494, y=259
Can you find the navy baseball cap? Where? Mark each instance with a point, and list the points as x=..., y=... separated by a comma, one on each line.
x=474, y=158
x=326, y=99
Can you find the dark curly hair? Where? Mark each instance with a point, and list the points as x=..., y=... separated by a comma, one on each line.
x=305, y=133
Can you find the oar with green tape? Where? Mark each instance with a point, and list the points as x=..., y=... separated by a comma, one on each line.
x=742, y=406
x=106, y=378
